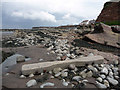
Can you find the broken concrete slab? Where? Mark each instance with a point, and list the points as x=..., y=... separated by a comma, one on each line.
x=39, y=67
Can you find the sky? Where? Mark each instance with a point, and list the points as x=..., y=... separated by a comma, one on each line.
x=34, y=13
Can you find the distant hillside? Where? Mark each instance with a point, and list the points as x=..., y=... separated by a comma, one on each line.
x=110, y=13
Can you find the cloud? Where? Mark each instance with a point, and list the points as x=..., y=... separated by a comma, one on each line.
x=86, y=8
x=44, y=16
x=67, y=16
x=50, y=12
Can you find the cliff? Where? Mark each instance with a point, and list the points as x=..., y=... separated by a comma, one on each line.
x=110, y=13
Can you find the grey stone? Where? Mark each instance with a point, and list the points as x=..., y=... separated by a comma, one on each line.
x=110, y=73
x=65, y=83
x=115, y=69
x=31, y=83
x=72, y=66
x=77, y=52
x=100, y=85
x=91, y=54
x=106, y=83
x=68, y=55
x=22, y=76
x=48, y=53
x=65, y=70
x=64, y=74
x=76, y=78
x=20, y=58
x=89, y=74
x=52, y=77
x=76, y=69
x=50, y=72
x=99, y=79
x=116, y=73
x=73, y=71
x=58, y=58
x=116, y=77
x=41, y=59
x=60, y=55
x=84, y=81
x=102, y=76
x=64, y=52
x=58, y=74
x=104, y=70
x=116, y=62
x=112, y=81
x=31, y=75
x=7, y=74
x=42, y=74
x=57, y=70
x=92, y=68
x=52, y=52
x=111, y=66
x=108, y=67
x=50, y=48
x=102, y=65
x=72, y=56
x=83, y=73
x=47, y=84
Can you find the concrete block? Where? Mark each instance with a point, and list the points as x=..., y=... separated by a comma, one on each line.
x=39, y=67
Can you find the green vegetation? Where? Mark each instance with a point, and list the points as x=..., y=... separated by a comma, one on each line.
x=107, y=4
x=112, y=23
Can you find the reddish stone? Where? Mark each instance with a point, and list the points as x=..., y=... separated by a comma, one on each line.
x=63, y=58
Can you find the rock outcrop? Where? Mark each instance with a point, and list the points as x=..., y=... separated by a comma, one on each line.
x=103, y=34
